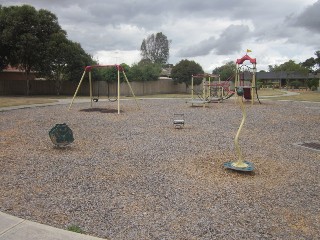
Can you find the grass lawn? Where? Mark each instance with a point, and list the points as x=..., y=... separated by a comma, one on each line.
x=303, y=96
x=278, y=95
x=23, y=100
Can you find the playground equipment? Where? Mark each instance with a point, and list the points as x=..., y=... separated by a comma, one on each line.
x=61, y=135
x=249, y=91
x=178, y=120
x=219, y=90
x=240, y=165
x=94, y=99
x=201, y=96
x=213, y=89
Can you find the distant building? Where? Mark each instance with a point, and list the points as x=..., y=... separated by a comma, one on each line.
x=281, y=79
x=166, y=71
x=14, y=73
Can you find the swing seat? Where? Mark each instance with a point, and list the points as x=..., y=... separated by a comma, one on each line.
x=178, y=121
x=95, y=99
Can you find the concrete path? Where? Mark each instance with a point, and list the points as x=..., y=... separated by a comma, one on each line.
x=286, y=93
x=13, y=228
x=58, y=101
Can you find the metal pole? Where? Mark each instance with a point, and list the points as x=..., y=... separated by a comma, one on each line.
x=204, y=91
x=134, y=96
x=253, y=84
x=204, y=88
x=75, y=94
x=118, y=90
x=90, y=84
x=192, y=88
x=209, y=87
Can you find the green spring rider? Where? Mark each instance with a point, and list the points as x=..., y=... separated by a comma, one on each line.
x=61, y=135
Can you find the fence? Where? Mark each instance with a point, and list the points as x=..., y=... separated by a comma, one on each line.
x=43, y=87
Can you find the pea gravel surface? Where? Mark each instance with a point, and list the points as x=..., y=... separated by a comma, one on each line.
x=134, y=176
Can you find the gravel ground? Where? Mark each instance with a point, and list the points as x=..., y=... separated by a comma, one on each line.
x=133, y=176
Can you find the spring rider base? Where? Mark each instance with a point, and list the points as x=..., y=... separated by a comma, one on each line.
x=244, y=166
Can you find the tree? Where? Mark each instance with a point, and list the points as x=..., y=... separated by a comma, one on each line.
x=309, y=63
x=63, y=60
x=226, y=71
x=155, y=48
x=24, y=31
x=145, y=71
x=77, y=60
x=290, y=67
x=183, y=71
x=317, y=60
x=34, y=41
x=4, y=48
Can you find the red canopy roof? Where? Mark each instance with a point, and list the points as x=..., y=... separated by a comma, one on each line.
x=246, y=57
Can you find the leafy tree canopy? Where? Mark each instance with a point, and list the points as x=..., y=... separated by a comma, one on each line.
x=317, y=60
x=289, y=67
x=155, y=48
x=34, y=41
x=25, y=32
x=226, y=71
x=145, y=71
x=309, y=63
x=183, y=71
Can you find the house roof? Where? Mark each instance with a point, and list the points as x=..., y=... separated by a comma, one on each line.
x=284, y=75
x=12, y=69
x=280, y=75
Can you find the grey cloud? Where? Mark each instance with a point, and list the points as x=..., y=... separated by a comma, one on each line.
x=143, y=13
x=97, y=24
x=310, y=18
x=201, y=49
x=230, y=41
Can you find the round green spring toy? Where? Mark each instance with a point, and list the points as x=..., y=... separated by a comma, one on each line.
x=61, y=135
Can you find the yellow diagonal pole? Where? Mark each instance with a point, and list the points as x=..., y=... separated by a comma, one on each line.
x=134, y=96
x=75, y=94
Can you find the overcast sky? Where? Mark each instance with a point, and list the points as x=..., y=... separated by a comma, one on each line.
x=210, y=32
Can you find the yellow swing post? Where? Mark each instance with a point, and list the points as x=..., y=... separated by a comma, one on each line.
x=221, y=91
x=253, y=84
x=118, y=90
x=125, y=76
x=134, y=96
x=192, y=88
x=75, y=94
x=90, y=86
x=204, y=90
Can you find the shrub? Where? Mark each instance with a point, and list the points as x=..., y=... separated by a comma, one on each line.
x=296, y=84
x=74, y=228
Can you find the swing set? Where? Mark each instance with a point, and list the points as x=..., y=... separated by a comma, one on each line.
x=96, y=98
